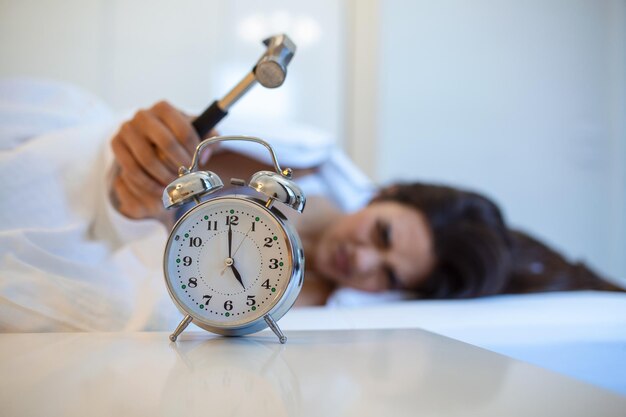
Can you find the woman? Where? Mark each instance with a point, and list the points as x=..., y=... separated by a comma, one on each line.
x=434, y=240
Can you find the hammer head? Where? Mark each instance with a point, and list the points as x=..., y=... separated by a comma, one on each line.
x=271, y=70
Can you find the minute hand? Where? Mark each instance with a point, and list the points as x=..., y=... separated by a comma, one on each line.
x=230, y=240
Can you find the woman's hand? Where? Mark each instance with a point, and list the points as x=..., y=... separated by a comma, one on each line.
x=148, y=150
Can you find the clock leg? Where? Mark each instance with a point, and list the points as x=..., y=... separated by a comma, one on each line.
x=272, y=324
x=183, y=324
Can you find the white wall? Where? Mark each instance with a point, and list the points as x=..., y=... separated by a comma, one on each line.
x=135, y=52
x=523, y=100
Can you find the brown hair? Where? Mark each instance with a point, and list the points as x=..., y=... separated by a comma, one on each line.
x=476, y=254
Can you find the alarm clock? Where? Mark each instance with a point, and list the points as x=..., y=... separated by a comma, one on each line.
x=233, y=263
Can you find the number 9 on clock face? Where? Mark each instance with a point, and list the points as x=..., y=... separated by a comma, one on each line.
x=229, y=261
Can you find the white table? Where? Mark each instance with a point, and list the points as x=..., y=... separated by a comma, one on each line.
x=317, y=373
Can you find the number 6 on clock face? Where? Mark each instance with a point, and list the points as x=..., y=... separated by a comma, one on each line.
x=228, y=263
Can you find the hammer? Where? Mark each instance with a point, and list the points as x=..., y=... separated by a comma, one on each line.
x=270, y=71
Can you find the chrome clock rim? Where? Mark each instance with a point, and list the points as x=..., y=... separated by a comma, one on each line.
x=283, y=301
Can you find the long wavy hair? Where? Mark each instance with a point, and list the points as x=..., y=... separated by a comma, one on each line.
x=477, y=254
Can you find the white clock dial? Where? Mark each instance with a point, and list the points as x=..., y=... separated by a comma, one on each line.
x=228, y=261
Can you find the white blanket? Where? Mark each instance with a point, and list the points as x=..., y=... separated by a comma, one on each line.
x=65, y=260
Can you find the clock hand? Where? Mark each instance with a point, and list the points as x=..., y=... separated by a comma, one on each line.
x=244, y=238
x=237, y=275
x=228, y=262
x=230, y=247
x=230, y=240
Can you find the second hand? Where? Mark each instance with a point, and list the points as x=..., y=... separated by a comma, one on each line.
x=244, y=238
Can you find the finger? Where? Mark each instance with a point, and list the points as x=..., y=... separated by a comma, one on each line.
x=132, y=170
x=150, y=205
x=145, y=156
x=159, y=134
x=169, y=164
x=179, y=124
x=142, y=184
x=133, y=205
x=129, y=205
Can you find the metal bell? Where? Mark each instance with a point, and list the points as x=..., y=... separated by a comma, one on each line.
x=280, y=188
x=189, y=187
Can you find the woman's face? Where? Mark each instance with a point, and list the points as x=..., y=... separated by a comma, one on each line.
x=386, y=245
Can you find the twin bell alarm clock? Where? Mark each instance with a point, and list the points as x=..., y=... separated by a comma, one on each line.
x=233, y=263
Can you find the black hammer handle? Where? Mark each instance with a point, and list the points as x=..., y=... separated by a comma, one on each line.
x=209, y=119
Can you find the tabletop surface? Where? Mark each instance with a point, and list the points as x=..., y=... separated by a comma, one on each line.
x=317, y=373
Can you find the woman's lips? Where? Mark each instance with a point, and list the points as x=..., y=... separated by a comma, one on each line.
x=341, y=260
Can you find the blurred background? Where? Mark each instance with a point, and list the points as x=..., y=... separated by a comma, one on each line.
x=523, y=100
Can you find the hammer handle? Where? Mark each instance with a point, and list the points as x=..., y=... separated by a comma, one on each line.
x=208, y=119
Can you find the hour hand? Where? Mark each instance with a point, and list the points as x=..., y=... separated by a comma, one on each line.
x=237, y=275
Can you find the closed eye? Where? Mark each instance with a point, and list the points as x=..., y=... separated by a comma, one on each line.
x=383, y=231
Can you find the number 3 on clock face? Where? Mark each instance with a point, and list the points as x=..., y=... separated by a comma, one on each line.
x=229, y=261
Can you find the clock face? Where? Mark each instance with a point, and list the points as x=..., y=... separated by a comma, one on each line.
x=228, y=261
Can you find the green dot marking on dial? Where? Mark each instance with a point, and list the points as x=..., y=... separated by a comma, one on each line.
x=275, y=238
x=273, y=289
x=227, y=314
x=201, y=306
x=183, y=286
x=186, y=234
x=232, y=211
x=178, y=260
x=256, y=219
x=206, y=217
x=280, y=263
x=253, y=308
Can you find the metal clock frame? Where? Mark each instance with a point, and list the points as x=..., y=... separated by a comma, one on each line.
x=283, y=301
x=192, y=184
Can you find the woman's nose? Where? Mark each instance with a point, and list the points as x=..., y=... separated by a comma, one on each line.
x=366, y=259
